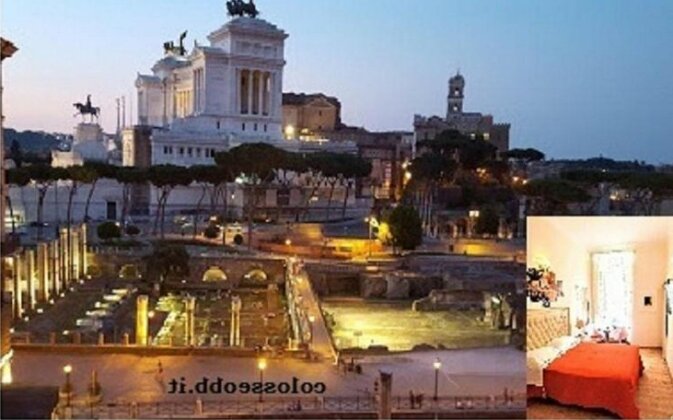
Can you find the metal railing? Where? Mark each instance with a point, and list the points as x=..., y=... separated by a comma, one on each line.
x=276, y=405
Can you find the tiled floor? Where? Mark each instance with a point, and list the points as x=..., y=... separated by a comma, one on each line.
x=655, y=395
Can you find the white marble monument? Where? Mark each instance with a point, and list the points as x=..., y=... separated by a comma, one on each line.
x=216, y=96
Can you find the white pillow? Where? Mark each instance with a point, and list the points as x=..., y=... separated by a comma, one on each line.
x=564, y=343
x=541, y=357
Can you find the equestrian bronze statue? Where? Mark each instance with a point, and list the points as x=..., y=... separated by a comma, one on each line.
x=87, y=108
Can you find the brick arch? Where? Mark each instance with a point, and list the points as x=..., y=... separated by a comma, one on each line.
x=236, y=269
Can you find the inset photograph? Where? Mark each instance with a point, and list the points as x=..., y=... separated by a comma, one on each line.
x=600, y=317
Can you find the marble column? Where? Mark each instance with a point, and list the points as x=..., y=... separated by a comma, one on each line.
x=235, y=328
x=260, y=93
x=55, y=267
x=74, y=254
x=265, y=87
x=250, y=91
x=63, y=258
x=43, y=271
x=30, y=277
x=141, y=320
x=190, y=306
x=16, y=289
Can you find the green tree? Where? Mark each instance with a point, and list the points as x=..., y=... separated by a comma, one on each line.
x=128, y=176
x=405, y=227
x=19, y=177
x=225, y=172
x=99, y=170
x=488, y=221
x=552, y=196
x=168, y=262
x=166, y=178
x=201, y=174
x=258, y=164
x=16, y=153
x=44, y=177
x=528, y=155
x=108, y=231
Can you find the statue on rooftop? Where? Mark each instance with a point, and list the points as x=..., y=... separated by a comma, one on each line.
x=242, y=8
x=87, y=108
x=170, y=47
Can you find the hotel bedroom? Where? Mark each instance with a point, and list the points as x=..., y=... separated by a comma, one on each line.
x=600, y=317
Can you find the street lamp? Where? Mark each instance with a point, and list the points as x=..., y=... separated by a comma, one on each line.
x=373, y=223
x=437, y=365
x=67, y=388
x=311, y=320
x=261, y=365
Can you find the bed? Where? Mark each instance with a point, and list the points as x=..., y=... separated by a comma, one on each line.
x=585, y=374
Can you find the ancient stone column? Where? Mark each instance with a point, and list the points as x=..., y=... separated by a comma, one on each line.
x=42, y=271
x=64, y=258
x=74, y=256
x=190, y=306
x=30, y=277
x=235, y=328
x=54, y=268
x=385, y=392
x=16, y=288
x=141, y=320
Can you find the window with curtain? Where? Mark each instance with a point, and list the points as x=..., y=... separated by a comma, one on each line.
x=613, y=289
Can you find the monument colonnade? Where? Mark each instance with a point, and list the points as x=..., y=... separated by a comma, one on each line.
x=40, y=274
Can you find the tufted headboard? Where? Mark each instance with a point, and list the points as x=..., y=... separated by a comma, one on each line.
x=544, y=325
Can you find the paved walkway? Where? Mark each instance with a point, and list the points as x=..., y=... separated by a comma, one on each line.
x=321, y=344
x=134, y=378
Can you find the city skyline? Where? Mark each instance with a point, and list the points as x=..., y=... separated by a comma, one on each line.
x=570, y=84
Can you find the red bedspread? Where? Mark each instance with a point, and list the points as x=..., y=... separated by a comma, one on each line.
x=595, y=375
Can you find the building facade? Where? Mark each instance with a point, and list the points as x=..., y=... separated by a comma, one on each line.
x=473, y=124
x=305, y=116
x=217, y=96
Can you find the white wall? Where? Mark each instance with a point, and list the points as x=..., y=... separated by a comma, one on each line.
x=567, y=243
x=568, y=259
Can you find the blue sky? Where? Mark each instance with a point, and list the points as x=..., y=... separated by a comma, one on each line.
x=574, y=78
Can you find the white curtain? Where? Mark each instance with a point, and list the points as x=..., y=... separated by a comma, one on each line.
x=613, y=289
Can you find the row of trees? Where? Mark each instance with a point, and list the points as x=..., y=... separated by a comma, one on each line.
x=254, y=167
x=584, y=188
x=453, y=159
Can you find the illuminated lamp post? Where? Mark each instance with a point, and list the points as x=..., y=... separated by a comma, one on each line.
x=311, y=320
x=67, y=387
x=372, y=223
x=437, y=365
x=261, y=366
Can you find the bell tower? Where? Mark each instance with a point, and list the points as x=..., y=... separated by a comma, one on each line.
x=456, y=95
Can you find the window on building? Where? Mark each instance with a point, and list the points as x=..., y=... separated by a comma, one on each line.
x=243, y=126
x=198, y=152
x=218, y=125
x=265, y=128
x=255, y=127
x=189, y=151
x=181, y=151
x=320, y=113
x=487, y=136
x=613, y=288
